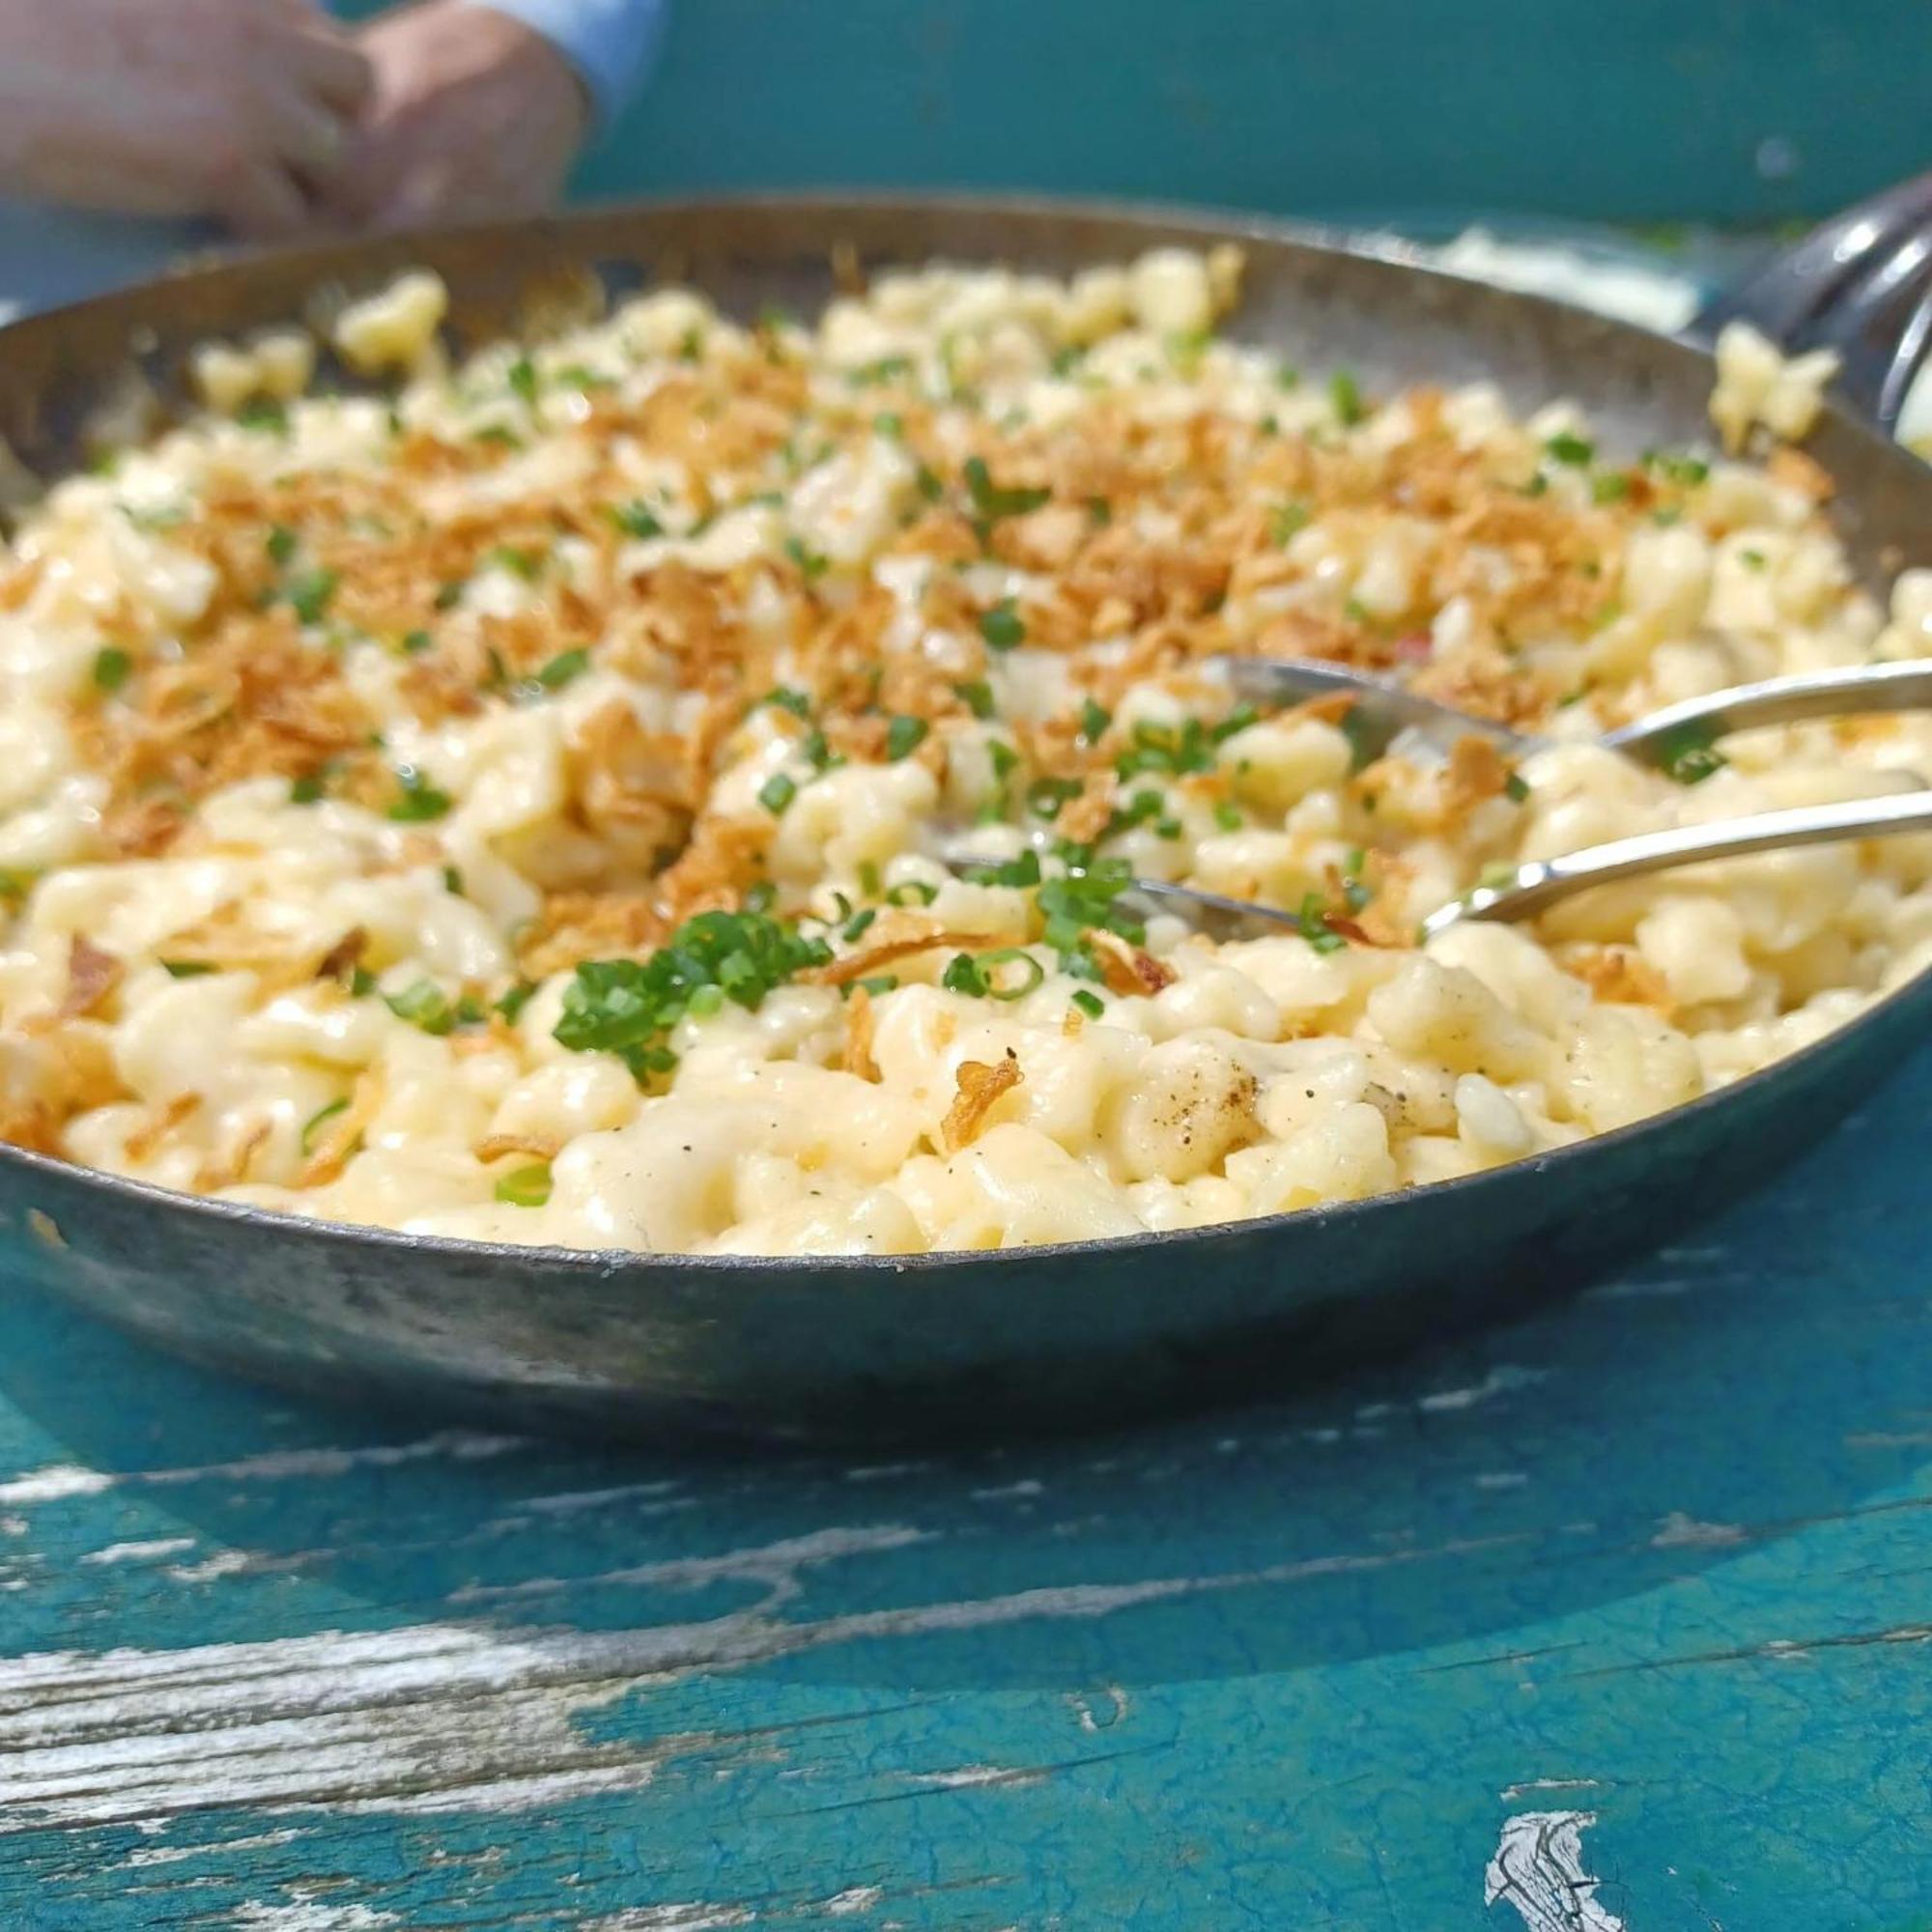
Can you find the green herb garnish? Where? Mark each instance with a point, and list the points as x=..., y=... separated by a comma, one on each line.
x=1689, y=754
x=627, y=1006
x=990, y=501
x=1312, y=921
x=976, y=697
x=425, y=1004
x=417, y=800
x=563, y=668
x=635, y=520
x=319, y=1120
x=1002, y=627
x=528, y=1188
x=111, y=667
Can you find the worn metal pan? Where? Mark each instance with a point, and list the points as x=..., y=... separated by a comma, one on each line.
x=665, y=1343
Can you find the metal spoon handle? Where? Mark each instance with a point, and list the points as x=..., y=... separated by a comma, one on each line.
x=1387, y=708
x=1661, y=736
x=1213, y=913
x=1543, y=882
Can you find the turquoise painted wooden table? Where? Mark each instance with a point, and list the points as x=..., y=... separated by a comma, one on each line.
x=1620, y=1617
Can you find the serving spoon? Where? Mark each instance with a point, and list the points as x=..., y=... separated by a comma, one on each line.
x=1520, y=891
x=1387, y=709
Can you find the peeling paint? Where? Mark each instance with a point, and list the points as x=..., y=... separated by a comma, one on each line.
x=1538, y=1868
x=59, y=1481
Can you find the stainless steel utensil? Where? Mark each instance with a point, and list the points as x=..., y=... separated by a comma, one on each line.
x=1533, y=887
x=1537, y=884
x=1387, y=709
x=1859, y=284
x=859, y=1343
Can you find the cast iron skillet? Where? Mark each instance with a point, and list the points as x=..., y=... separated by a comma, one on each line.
x=651, y=1343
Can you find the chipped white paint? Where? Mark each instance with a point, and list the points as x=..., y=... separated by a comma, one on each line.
x=174, y=1855
x=1091, y=1720
x=1004, y=1492
x=59, y=1481
x=457, y=1717
x=54, y=1483
x=970, y=1775
x=1505, y=1378
x=776, y=1565
x=1678, y=1531
x=690, y=1916
x=1510, y=1793
x=140, y=1552
x=1538, y=1868
x=570, y=1502
x=223, y=1563
x=309, y=1914
x=858, y=1898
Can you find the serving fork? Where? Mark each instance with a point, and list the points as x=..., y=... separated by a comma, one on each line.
x=1385, y=711
x=1860, y=285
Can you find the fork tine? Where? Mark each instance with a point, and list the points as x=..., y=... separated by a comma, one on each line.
x=1882, y=334
x=1788, y=292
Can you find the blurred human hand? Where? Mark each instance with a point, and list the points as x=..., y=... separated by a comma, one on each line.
x=473, y=114
x=238, y=109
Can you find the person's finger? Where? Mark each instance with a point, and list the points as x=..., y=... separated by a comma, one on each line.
x=313, y=139
x=422, y=195
x=331, y=70
x=262, y=203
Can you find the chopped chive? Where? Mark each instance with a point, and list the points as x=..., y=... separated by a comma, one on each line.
x=318, y=1120
x=976, y=697
x=811, y=561
x=111, y=667
x=563, y=668
x=904, y=736
x=188, y=969
x=1002, y=627
x=527, y=1187
x=309, y=593
x=264, y=413
x=635, y=520
x=1575, y=450
x=777, y=794
x=417, y=800
x=1285, y=518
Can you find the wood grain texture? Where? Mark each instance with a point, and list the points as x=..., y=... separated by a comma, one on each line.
x=1613, y=1621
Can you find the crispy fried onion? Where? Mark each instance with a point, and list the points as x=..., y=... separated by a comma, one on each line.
x=980, y=1089
x=862, y=965
x=1128, y=969
x=342, y=1133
